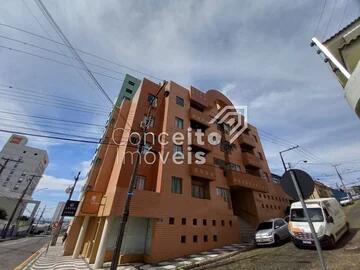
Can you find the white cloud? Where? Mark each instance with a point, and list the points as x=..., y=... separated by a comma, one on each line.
x=53, y=183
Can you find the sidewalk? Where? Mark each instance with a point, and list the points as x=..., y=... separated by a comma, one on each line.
x=54, y=259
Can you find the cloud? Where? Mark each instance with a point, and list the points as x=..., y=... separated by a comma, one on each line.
x=53, y=183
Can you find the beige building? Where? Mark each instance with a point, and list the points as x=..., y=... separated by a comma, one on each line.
x=321, y=191
x=342, y=53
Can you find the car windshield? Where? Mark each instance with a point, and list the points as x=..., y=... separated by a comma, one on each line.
x=315, y=214
x=264, y=226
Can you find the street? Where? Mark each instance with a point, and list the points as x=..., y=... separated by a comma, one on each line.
x=14, y=252
x=287, y=256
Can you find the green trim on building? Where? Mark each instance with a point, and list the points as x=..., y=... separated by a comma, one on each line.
x=128, y=88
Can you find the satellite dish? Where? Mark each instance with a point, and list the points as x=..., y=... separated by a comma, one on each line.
x=305, y=183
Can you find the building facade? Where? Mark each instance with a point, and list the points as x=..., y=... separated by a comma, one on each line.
x=321, y=191
x=342, y=53
x=24, y=162
x=178, y=208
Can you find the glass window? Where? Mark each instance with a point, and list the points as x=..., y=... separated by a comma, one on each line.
x=179, y=123
x=131, y=83
x=183, y=239
x=178, y=149
x=223, y=193
x=171, y=221
x=140, y=182
x=128, y=91
x=265, y=226
x=200, y=189
x=278, y=223
x=180, y=101
x=315, y=214
x=176, y=185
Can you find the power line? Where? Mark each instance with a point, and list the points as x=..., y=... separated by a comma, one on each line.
x=52, y=119
x=71, y=48
x=56, y=61
x=57, y=53
x=80, y=50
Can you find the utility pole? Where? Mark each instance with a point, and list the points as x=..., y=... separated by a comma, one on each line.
x=2, y=166
x=130, y=193
x=17, y=206
x=41, y=215
x=61, y=221
x=341, y=180
x=286, y=150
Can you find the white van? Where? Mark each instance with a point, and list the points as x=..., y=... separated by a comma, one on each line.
x=328, y=218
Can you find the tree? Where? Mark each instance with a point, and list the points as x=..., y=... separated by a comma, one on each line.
x=3, y=214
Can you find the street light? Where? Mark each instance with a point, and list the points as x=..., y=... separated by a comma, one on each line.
x=293, y=165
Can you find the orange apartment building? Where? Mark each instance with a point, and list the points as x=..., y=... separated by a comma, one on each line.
x=176, y=209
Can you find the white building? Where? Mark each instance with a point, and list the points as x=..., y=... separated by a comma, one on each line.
x=24, y=162
x=58, y=211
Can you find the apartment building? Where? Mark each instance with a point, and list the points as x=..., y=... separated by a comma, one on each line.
x=177, y=208
x=341, y=52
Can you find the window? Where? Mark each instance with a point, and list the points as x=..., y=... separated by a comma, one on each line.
x=180, y=101
x=24, y=152
x=171, y=221
x=128, y=91
x=222, y=222
x=131, y=83
x=176, y=185
x=183, y=239
x=233, y=167
x=230, y=223
x=215, y=238
x=205, y=238
x=214, y=222
x=278, y=223
x=178, y=149
x=204, y=222
x=200, y=189
x=183, y=221
x=35, y=154
x=195, y=238
x=223, y=193
x=179, y=123
x=139, y=182
x=194, y=221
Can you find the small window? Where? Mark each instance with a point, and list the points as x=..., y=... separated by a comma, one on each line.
x=195, y=238
x=183, y=239
x=183, y=221
x=35, y=154
x=204, y=222
x=260, y=195
x=214, y=222
x=171, y=221
x=139, y=182
x=131, y=83
x=128, y=91
x=194, y=221
x=205, y=238
x=215, y=238
x=178, y=149
x=230, y=223
x=176, y=185
x=179, y=123
x=180, y=101
x=222, y=222
x=262, y=205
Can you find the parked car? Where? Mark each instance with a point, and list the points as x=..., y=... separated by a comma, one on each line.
x=271, y=232
x=328, y=218
x=346, y=201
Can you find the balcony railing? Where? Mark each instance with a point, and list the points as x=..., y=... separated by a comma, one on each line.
x=240, y=179
x=247, y=139
x=202, y=171
x=251, y=159
x=200, y=117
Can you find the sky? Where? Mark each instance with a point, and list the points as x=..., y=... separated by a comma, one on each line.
x=255, y=52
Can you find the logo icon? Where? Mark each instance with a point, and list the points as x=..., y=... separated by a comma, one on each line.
x=235, y=117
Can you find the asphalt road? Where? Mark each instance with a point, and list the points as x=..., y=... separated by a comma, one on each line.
x=288, y=257
x=14, y=252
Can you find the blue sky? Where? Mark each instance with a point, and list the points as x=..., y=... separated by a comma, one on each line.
x=256, y=52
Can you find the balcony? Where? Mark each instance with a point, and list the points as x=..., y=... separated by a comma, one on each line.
x=251, y=160
x=198, y=97
x=202, y=171
x=201, y=145
x=240, y=179
x=199, y=117
x=247, y=139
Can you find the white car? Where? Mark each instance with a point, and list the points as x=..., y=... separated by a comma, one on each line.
x=271, y=232
x=328, y=218
x=346, y=201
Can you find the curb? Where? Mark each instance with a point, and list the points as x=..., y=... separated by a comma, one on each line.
x=214, y=260
x=29, y=261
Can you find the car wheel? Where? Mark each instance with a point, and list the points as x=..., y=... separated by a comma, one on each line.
x=331, y=244
x=276, y=240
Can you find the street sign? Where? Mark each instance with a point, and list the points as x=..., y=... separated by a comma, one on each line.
x=305, y=182
x=70, y=208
